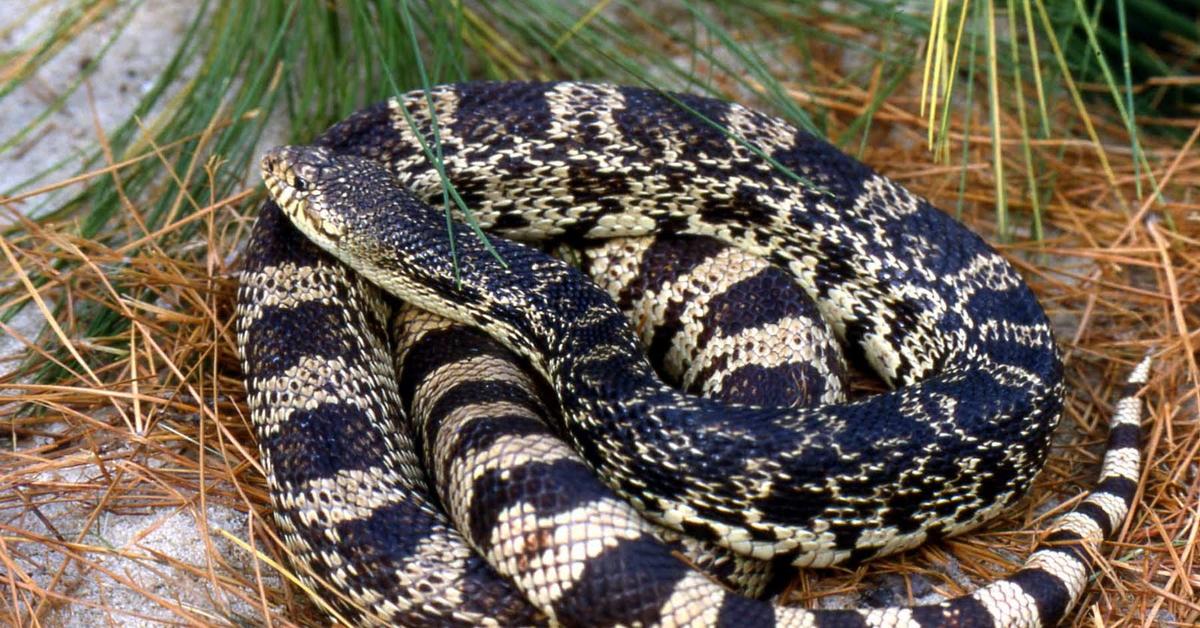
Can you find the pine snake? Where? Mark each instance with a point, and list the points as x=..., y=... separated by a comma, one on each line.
x=928, y=305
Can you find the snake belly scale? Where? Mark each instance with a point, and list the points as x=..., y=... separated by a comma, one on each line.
x=928, y=305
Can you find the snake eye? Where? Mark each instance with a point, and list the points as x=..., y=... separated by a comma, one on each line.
x=299, y=183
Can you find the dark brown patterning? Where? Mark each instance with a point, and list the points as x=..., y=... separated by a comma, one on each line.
x=926, y=303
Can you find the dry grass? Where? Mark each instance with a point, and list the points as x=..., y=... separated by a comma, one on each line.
x=154, y=422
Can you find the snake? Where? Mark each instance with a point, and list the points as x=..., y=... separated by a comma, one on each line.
x=943, y=320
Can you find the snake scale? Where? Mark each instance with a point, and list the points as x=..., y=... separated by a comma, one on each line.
x=929, y=306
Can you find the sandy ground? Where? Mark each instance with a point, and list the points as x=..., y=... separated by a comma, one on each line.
x=122, y=76
x=52, y=151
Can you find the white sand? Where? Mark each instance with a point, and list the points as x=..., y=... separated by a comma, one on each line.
x=149, y=539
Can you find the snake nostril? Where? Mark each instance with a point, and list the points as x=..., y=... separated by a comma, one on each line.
x=269, y=162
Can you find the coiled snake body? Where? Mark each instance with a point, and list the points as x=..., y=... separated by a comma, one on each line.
x=928, y=305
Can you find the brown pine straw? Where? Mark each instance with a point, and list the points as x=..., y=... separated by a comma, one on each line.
x=152, y=421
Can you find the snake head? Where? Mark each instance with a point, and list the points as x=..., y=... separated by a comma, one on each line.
x=353, y=208
x=309, y=183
